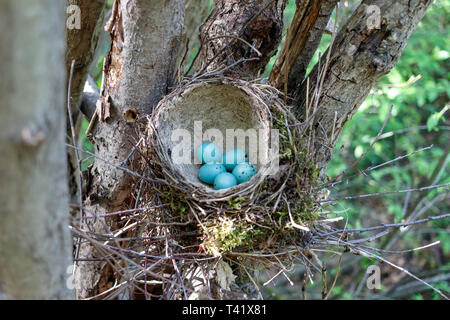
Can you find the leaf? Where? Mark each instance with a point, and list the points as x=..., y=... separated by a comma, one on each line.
x=225, y=276
x=433, y=120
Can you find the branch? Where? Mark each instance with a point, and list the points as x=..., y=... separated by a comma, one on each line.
x=196, y=12
x=363, y=52
x=445, y=185
x=302, y=39
x=257, y=22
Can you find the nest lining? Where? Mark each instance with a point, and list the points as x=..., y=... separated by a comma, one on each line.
x=218, y=106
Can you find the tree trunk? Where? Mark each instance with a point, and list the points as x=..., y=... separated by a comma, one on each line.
x=196, y=12
x=35, y=246
x=139, y=69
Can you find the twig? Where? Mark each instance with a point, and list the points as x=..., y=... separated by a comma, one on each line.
x=234, y=40
x=72, y=129
x=388, y=192
x=368, y=149
x=392, y=225
x=328, y=184
x=126, y=169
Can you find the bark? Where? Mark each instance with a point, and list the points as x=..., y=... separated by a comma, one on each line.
x=81, y=44
x=240, y=30
x=302, y=39
x=35, y=245
x=360, y=56
x=139, y=70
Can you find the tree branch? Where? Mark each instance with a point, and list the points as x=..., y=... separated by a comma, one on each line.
x=259, y=23
x=196, y=12
x=363, y=52
x=81, y=44
x=302, y=39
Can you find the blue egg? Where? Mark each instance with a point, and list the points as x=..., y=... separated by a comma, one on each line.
x=208, y=152
x=224, y=181
x=244, y=172
x=208, y=172
x=233, y=157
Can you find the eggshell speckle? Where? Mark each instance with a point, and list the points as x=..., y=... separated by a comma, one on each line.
x=208, y=172
x=244, y=172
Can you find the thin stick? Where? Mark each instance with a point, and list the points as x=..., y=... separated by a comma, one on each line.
x=379, y=166
x=72, y=129
x=368, y=149
x=388, y=192
x=335, y=278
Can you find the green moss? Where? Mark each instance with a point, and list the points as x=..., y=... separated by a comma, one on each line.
x=176, y=203
x=228, y=235
x=235, y=203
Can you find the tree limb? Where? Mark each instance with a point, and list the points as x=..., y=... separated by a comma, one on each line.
x=257, y=22
x=363, y=52
x=302, y=38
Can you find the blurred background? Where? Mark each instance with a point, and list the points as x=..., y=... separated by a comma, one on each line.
x=419, y=89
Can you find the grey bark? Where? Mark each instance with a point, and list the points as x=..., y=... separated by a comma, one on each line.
x=139, y=70
x=35, y=245
x=360, y=56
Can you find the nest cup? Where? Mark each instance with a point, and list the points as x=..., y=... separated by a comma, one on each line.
x=214, y=105
x=260, y=218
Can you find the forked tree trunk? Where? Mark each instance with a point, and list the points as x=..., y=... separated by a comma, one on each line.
x=139, y=71
x=367, y=47
x=35, y=246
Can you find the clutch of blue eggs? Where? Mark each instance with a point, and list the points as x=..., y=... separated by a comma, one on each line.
x=223, y=171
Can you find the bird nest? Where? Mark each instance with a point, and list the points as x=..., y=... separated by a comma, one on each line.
x=259, y=218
